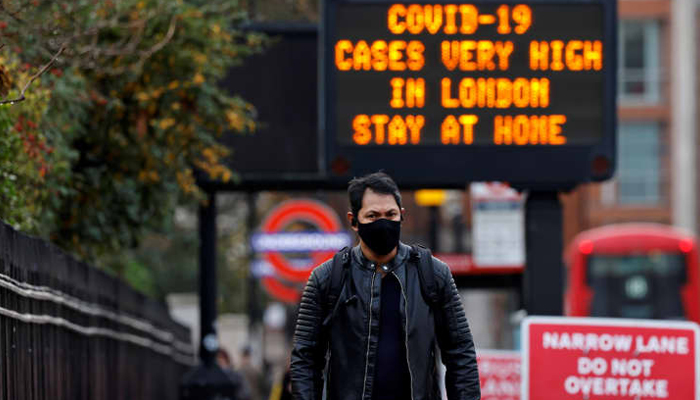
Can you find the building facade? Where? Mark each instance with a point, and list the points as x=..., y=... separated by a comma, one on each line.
x=656, y=178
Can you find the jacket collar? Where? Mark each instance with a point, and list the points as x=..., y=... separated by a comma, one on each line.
x=401, y=256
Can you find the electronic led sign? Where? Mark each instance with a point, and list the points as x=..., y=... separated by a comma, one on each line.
x=445, y=93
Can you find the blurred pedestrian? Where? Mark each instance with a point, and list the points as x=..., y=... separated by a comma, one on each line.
x=252, y=375
x=224, y=361
x=378, y=310
x=282, y=388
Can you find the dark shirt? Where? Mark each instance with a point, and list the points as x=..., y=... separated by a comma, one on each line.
x=392, y=380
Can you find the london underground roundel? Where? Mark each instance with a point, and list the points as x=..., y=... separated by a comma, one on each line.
x=320, y=244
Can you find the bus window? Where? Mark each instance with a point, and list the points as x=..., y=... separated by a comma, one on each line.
x=637, y=285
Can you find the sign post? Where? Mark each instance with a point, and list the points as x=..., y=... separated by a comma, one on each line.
x=606, y=359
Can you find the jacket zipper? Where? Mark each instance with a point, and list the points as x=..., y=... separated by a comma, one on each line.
x=408, y=359
x=369, y=335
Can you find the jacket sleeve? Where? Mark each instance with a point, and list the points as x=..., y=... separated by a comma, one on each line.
x=309, y=348
x=455, y=340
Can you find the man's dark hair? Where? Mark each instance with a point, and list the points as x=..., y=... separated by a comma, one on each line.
x=379, y=182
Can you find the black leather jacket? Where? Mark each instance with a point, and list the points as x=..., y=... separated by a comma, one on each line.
x=352, y=337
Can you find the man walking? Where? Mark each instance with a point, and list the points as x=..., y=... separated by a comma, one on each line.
x=370, y=318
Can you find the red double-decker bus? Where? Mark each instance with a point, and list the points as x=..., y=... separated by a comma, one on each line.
x=645, y=271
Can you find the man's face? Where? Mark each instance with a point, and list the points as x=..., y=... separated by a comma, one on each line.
x=376, y=206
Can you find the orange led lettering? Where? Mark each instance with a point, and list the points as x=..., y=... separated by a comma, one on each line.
x=450, y=19
x=380, y=58
x=574, y=55
x=415, y=124
x=396, y=48
x=503, y=20
x=593, y=55
x=496, y=93
x=539, y=92
x=415, y=92
x=466, y=47
x=362, y=134
x=395, y=26
x=447, y=100
x=521, y=93
x=468, y=122
x=522, y=15
x=523, y=130
x=502, y=129
x=433, y=17
x=490, y=90
x=452, y=127
x=467, y=92
x=481, y=92
x=397, y=85
x=397, y=131
x=415, y=19
x=539, y=56
x=414, y=53
x=504, y=50
x=476, y=55
x=557, y=47
x=574, y=60
x=470, y=21
x=342, y=47
x=449, y=131
x=450, y=54
x=361, y=56
x=379, y=122
x=555, y=122
x=538, y=130
x=504, y=93
x=485, y=52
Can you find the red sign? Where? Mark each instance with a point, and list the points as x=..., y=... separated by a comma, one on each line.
x=309, y=211
x=463, y=264
x=499, y=373
x=604, y=359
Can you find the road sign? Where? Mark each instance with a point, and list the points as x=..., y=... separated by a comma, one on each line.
x=499, y=374
x=522, y=92
x=321, y=244
x=498, y=225
x=605, y=359
x=464, y=264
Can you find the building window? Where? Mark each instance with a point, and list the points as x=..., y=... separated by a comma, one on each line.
x=639, y=171
x=638, y=61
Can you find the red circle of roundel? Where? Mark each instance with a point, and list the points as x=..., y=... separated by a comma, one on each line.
x=280, y=291
x=295, y=210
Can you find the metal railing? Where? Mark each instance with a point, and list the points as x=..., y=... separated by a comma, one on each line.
x=69, y=331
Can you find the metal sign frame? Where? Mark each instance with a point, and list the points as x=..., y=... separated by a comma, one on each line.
x=542, y=168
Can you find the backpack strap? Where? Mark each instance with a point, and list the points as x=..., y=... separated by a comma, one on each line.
x=339, y=271
x=423, y=260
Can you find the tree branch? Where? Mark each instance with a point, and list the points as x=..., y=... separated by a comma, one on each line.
x=34, y=77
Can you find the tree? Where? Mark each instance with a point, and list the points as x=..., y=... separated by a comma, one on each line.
x=123, y=103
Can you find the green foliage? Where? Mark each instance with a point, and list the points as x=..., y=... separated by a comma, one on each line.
x=129, y=107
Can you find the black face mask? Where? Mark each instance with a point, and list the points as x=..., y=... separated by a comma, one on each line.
x=381, y=236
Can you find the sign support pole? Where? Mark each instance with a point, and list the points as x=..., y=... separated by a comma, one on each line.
x=207, y=280
x=207, y=381
x=543, y=283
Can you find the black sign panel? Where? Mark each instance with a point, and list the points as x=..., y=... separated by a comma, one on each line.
x=439, y=94
x=282, y=84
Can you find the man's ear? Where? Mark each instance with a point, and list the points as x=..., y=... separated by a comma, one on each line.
x=403, y=214
x=352, y=221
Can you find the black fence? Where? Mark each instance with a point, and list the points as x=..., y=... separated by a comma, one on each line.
x=69, y=331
